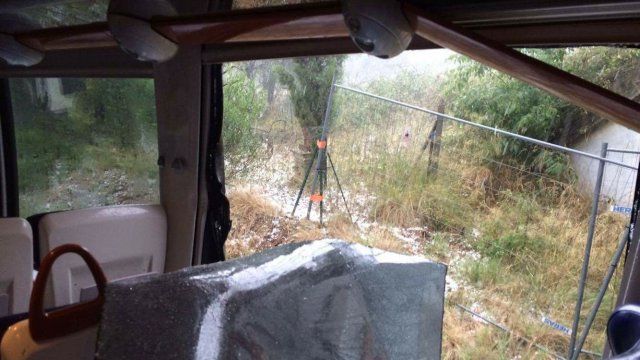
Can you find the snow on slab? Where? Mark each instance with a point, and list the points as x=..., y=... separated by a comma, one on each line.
x=251, y=278
x=387, y=257
x=210, y=340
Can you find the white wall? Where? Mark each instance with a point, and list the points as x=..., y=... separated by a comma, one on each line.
x=618, y=182
x=51, y=89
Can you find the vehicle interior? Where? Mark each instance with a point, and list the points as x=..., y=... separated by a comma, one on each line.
x=178, y=214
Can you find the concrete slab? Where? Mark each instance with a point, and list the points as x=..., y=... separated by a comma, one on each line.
x=326, y=299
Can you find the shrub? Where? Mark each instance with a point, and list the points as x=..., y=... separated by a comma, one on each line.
x=485, y=272
x=244, y=103
x=510, y=246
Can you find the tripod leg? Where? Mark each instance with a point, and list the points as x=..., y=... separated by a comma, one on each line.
x=304, y=182
x=333, y=168
x=313, y=190
x=323, y=178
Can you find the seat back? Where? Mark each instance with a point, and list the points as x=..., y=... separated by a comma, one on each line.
x=126, y=240
x=66, y=333
x=16, y=265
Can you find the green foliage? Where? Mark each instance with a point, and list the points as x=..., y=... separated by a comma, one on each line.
x=507, y=235
x=115, y=110
x=101, y=141
x=408, y=86
x=486, y=272
x=493, y=98
x=362, y=111
x=476, y=92
x=509, y=245
x=42, y=137
x=410, y=198
x=67, y=13
x=613, y=68
x=40, y=148
x=109, y=112
x=244, y=103
x=308, y=81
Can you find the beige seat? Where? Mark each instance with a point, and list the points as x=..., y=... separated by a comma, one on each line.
x=16, y=265
x=68, y=333
x=126, y=240
x=18, y=344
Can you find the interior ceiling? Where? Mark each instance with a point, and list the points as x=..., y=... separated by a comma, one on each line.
x=532, y=23
x=534, y=11
x=51, y=13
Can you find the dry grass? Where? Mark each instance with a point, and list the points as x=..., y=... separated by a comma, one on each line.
x=258, y=225
x=530, y=234
x=537, y=273
x=537, y=276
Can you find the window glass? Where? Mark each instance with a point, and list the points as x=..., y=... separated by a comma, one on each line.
x=509, y=217
x=84, y=142
x=74, y=12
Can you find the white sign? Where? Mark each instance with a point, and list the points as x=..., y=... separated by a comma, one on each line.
x=621, y=209
x=556, y=325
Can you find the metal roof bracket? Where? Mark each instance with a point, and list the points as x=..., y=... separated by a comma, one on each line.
x=558, y=82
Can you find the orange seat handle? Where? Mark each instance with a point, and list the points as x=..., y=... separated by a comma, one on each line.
x=43, y=325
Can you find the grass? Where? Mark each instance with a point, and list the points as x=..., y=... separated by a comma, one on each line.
x=525, y=244
x=528, y=230
x=259, y=224
x=513, y=238
x=532, y=256
x=102, y=175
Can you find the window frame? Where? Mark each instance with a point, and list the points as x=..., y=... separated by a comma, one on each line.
x=14, y=173
x=183, y=136
x=9, y=193
x=177, y=129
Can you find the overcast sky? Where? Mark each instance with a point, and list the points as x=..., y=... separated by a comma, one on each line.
x=363, y=68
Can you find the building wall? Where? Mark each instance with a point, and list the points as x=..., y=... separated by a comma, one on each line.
x=618, y=182
x=51, y=90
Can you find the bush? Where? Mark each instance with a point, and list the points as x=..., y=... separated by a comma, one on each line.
x=488, y=96
x=413, y=197
x=510, y=246
x=244, y=103
x=116, y=110
x=485, y=272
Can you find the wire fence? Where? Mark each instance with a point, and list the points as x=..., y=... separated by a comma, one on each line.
x=513, y=232
x=532, y=224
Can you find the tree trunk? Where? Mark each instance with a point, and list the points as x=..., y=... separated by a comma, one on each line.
x=271, y=88
x=307, y=140
x=567, y=124
x=307, y=148
x=436, y=140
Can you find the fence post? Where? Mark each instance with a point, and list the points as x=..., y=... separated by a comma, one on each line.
x=613, y=265
x=436, y=141
x=587, y=250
